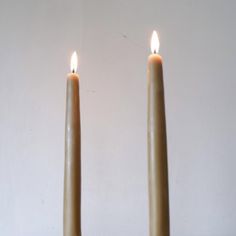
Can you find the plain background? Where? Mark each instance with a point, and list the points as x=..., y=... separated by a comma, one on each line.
x=112, y=40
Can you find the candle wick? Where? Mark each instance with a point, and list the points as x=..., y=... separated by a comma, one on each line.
x=155, y=52
x=73, y=71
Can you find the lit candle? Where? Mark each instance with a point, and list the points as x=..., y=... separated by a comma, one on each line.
x=157, y=146
x=72, y=176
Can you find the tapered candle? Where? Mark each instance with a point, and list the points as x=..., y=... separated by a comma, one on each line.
x=72, y=175
x=157, y=146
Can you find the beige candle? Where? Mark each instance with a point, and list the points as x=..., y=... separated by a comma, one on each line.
x=72, y=175
x=157, y=146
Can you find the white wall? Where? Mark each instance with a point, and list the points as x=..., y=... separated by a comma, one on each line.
x=112, y=39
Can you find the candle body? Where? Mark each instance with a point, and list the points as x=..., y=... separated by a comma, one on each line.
x=72, y=172
x=157, y=151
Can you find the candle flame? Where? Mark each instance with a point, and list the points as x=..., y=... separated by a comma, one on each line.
x=74, y=62
x=155, y=43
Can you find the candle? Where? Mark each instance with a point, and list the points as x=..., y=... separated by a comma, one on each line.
x=157, y=146
x=72, y=175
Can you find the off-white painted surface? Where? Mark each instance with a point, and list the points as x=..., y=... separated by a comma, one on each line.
x=198, y=45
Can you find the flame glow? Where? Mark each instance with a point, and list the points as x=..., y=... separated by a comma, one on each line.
x=74, y=62
x=155, y=43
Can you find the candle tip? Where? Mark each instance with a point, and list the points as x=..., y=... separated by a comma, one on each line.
x=74, y=62
x=155, y=43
